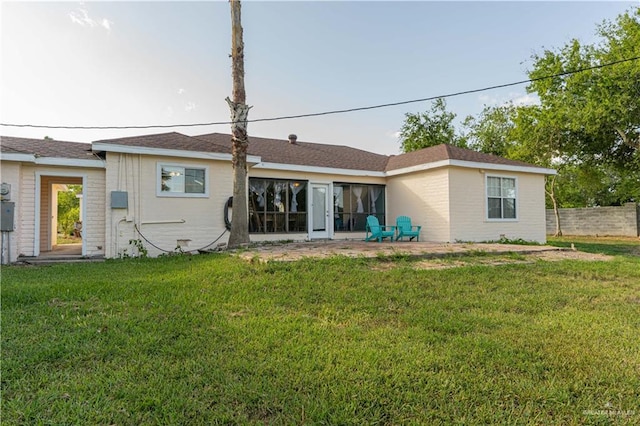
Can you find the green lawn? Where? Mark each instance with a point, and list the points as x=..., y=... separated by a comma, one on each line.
x=214, y=339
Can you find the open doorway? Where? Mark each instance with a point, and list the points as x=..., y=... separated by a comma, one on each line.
x=69, y=216
x=61, y=227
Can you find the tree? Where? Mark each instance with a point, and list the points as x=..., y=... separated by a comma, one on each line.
x=599, y=108
x=434, y=127
x=239, y=233
x=587, y=124
x=492, y=131
x=68, y=209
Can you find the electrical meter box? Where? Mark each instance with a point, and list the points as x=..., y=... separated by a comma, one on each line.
x=6, y=216
x=119, y=199
x=5, y=191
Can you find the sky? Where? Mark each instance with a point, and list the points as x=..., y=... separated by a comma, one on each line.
x=164, y=63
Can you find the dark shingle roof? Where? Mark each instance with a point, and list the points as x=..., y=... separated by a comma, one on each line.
x=306, y=153
x=269, y=150
x=447, y=152
x=46, y=148
x=172, y=140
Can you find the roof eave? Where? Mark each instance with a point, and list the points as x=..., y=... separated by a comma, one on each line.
x=10, y=156
x=471, y=165
x=318, y=169
x=163, y=152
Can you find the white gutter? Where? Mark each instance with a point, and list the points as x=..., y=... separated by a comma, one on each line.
x=53, y=161
x=27, y=158
x=72, y=162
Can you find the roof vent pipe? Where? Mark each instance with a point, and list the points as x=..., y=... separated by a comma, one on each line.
x=292, y=139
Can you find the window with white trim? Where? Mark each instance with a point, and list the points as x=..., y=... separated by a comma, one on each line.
x=182, y=181
x=501, y=197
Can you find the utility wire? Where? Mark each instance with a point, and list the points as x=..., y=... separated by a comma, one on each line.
x=339, y=111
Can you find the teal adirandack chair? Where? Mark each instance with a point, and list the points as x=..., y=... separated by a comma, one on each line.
x=405, y=229
x=378, y=232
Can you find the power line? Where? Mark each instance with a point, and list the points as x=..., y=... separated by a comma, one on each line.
x=338, y=111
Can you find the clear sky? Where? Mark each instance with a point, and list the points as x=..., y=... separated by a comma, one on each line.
x=149, y=63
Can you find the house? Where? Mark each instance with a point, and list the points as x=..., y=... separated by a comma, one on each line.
x=171, y=190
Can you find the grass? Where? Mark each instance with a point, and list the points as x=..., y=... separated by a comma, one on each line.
x=67, y=239
x=212, y=339
x=606, y=245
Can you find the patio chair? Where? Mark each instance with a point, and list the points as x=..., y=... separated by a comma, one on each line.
x=405, y=229
x=378, y=232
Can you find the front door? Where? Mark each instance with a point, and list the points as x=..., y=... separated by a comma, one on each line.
x=319, y=211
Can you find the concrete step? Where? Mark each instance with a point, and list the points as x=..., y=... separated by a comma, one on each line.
x=53, y=260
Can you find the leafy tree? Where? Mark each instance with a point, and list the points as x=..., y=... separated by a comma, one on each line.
x=492, y=131
x=587, y=125
x=430, y=128
x=68, y=209
x=599, y=108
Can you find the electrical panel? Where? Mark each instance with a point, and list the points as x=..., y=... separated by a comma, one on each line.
x=119, y=200
x=7, y=216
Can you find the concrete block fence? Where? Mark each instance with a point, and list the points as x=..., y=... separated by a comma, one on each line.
x=615, y=221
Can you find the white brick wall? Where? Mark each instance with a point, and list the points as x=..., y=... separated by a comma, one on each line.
x=468, y=207
x=423, y=196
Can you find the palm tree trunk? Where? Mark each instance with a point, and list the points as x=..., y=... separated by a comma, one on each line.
x=239, y=234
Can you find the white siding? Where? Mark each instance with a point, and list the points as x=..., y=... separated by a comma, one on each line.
x=10, y=173
x=23, y=179
x=27, y=215
x=163, y=221
x=93, y=224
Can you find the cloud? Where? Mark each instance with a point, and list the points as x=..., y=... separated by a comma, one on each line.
x=82, y=18
x=488, y=100
x=527, y=99
x=393, y=134
x=515, y=98
x=106, y=24
x=190, y=106
x=180, y=91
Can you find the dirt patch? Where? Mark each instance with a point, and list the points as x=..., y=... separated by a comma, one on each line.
x=571, y=255
x=434, y=255
x=549, y=256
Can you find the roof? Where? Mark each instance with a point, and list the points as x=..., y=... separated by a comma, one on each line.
x=306, y=153
x=172, y=140
x=46, y=148
x=448, y=152
x=274, y=151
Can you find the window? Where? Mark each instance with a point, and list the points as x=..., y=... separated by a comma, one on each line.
x=501, y=198
x=180, y=181
x=277, y=206
x=352, y=203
